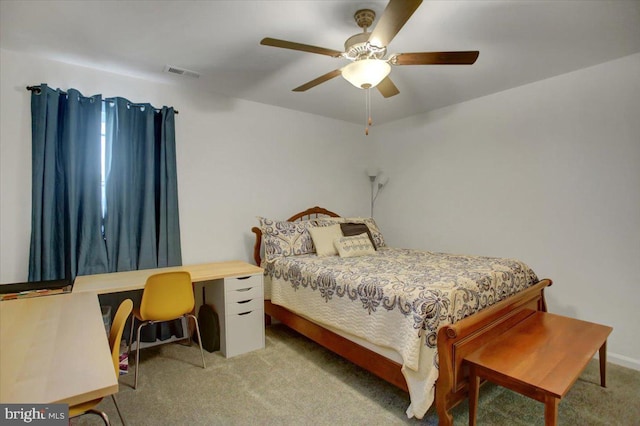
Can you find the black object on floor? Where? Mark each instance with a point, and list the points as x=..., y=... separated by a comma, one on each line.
x=209, y=328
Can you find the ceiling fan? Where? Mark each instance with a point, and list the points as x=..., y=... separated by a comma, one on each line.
x=367, y=51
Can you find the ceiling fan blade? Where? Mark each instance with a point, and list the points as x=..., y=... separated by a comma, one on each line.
x=387, y=88
x=321, y=79
x=395, y=15
x=299, y=46
x=436, y=58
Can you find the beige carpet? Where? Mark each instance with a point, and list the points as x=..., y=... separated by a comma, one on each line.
x=293, y=381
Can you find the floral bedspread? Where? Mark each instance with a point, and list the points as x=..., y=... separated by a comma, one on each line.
x=396, y=298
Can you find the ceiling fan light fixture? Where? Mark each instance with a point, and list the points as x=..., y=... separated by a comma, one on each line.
x=366, y=73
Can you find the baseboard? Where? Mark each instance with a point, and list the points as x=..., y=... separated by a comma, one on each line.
x=622, y=360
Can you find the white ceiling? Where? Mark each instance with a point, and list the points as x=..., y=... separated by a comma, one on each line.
x=519, y=42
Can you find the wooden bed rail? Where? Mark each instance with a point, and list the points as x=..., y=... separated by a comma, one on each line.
x=371, y=361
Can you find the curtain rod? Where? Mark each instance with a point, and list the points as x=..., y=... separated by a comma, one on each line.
x=37, y=90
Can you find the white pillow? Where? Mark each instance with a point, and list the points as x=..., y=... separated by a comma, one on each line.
x=357, y=245
x=323, y=239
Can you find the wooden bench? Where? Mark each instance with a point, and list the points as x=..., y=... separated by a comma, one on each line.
x=541, y=358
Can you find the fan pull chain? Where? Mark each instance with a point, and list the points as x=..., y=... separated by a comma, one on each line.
x=368, y=121
x=369, y=101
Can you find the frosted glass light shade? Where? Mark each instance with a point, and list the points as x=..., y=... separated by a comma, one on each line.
x=366, y=73
x=382, y=179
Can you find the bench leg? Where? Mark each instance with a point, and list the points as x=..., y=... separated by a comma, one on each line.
x=474, y=384
x=551, y=410
x=444, y=416
x=603, y=364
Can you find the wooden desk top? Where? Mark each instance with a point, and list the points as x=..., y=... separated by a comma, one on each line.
x=54, y=350
x=545, y=351
x=134, y=280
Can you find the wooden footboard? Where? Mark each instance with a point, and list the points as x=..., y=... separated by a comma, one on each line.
x=459, y=339
x=454, y=340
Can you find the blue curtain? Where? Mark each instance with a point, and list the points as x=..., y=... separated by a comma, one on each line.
x=66, y=236
x=139, y=229
x=142, y=227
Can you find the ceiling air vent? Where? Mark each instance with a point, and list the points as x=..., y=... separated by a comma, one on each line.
x=180, y=71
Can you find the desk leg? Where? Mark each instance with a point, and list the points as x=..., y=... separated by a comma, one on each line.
x=603, y=365
x=474, y=384
x=551, y=410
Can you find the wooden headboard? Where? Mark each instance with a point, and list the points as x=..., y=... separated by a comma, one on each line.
x=312, y=213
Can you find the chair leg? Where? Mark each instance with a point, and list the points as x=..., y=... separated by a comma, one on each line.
x=199, y=339
x=104, y=416
x=113, y=396
x=135, y=382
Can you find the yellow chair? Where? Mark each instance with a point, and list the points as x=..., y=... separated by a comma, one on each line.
x=166, y=296
x=115, y=336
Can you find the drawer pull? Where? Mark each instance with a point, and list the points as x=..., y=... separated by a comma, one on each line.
x=244, y=278
x=245, y=313
x=245, y=301
x=244, y=289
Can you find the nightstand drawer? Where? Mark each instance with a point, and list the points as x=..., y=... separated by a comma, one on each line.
x=244, y=306
x=238, y=283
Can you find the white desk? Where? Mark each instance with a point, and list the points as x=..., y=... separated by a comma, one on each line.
x=54, y=349
x=135, y=280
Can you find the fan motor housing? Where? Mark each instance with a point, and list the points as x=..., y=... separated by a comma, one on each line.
x=358, y=47
x=355, y=41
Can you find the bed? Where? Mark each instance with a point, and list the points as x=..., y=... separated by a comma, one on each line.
x=382, y=311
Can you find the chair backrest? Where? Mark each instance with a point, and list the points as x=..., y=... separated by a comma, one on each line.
x=167, y=296
x=115, y=335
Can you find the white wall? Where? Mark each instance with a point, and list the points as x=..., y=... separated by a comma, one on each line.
x=548, y=173
x=236, y=160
